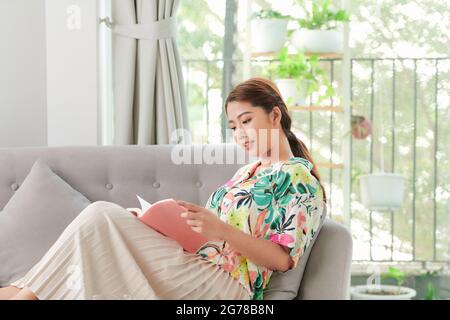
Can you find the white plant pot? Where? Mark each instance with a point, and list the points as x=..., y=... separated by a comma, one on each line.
x=361, y=292
x=382, y=191
x=268, y=35
x=292, y=92
x=318, y=41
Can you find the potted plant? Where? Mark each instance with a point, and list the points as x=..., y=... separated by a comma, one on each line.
x=428, y=281
x=431, y=293
x=269, y=31
x=385, y=292
x=298, y=77
x=318, y=31
x=361, y=127
x=380, y=190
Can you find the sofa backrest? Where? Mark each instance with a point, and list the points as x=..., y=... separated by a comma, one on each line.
x=118, y=173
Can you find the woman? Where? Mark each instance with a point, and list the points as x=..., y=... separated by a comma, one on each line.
x=260, y=221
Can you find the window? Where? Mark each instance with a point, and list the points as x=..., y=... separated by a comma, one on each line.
x=406, y=99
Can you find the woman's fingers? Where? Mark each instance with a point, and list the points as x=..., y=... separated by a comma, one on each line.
x=194, y=223
x=197, y=229
x=190, y=214
x=193, y=220
x=189, y=206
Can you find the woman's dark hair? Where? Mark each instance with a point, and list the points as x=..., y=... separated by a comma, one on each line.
x=264, y=93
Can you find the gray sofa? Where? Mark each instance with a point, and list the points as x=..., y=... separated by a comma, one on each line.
x=117, y=173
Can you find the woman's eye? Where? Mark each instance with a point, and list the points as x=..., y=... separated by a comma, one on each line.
x=233, y=128
x=246, y=121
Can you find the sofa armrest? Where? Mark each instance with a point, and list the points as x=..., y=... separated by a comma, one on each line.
x=328, y=270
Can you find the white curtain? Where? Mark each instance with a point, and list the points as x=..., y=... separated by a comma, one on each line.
x=149, y=97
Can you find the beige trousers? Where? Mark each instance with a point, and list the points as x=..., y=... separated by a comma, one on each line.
x=107, y=253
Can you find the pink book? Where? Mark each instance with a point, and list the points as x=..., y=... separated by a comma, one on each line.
x=164, y=216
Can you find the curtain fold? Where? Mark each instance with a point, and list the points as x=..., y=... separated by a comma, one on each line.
x=149, y=98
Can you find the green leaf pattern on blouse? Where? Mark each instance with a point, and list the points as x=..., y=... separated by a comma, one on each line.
x=283, y=204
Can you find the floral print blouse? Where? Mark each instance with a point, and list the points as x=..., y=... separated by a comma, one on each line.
x=282, y=203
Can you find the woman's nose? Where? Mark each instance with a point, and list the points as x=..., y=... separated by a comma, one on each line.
x=243, y=135
x=240, y=134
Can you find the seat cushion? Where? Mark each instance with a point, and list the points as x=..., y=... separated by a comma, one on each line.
x=33, y=219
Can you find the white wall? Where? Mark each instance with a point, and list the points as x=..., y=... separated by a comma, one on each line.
x=72, y=74
x=23, y=115
x=49, y=80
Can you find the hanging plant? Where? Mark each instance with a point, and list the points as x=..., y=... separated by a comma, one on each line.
x=361, y=127
x=378, y=190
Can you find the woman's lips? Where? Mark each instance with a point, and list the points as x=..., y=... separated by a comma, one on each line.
x=248, y=144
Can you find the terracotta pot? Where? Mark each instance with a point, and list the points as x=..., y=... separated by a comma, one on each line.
x=361, y=127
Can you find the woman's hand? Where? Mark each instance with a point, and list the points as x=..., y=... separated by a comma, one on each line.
x=203, y=221
x=260, y=251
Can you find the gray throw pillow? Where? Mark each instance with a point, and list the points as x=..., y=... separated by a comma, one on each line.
x=285, y=285
x=33, y=219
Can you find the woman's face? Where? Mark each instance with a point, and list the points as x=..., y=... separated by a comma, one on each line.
x=253, y=129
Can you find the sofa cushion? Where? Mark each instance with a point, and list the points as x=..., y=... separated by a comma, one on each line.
x=33, y=219
x=285, y=285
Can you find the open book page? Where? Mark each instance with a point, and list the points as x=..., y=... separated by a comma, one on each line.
x=145, y=205
x=164, y=216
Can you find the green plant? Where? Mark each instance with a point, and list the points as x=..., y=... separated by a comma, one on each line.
x=397, y=275
x=269, y=14
x=431, y=292
x=356, y=173
x=321, y=17
x=304, y=69
x=429, y=276
x=294, y=67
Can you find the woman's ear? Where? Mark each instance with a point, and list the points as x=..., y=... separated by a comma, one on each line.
x=276, y=116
